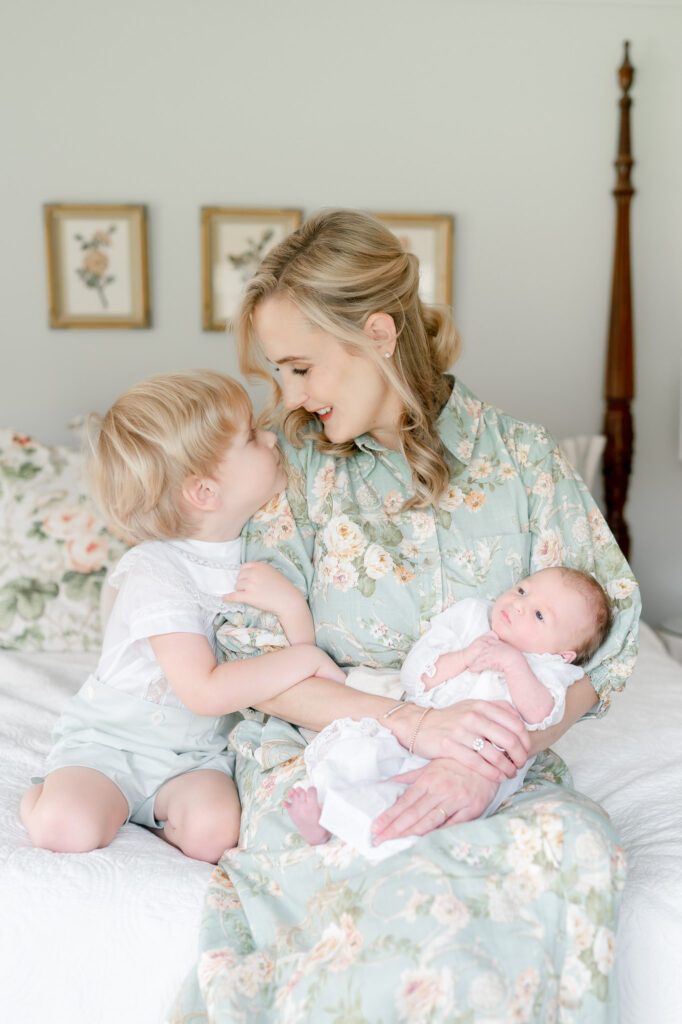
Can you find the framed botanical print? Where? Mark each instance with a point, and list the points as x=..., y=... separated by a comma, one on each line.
x=97, y=265
x=430, y=238
x=233, y=242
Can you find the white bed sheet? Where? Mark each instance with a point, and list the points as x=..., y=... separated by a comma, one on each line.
x=630, y=762
x=107, y=937
x=98, y=938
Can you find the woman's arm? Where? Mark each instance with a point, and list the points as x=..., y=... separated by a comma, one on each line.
x=449, y=732
x=567, y=527
x=580, y=697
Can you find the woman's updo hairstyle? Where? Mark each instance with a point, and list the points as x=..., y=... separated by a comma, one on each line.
x=338, y=268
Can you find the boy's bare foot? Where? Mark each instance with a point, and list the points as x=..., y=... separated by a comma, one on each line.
x=304, y=811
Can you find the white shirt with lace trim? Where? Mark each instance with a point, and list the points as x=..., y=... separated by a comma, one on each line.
x=163, y=587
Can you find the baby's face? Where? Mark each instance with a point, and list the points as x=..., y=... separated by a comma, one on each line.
x=542, y=615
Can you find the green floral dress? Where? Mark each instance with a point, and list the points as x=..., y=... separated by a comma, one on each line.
x=511, y=918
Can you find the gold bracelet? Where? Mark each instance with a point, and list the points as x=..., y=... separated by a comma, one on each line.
x=396, y=707
x=417, y=728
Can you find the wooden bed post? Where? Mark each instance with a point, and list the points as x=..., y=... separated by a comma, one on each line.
x=619, y=386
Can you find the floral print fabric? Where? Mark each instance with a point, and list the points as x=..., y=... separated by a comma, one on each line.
x=54, y=549
x=507, y=918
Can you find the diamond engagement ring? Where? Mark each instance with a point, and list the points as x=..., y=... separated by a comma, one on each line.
x=478, y=744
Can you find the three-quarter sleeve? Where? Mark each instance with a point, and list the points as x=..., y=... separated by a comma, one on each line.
x=567, y=528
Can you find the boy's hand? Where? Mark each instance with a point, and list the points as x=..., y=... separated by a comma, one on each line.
x=262, y=586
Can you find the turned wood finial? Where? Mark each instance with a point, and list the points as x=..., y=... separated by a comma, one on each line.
x=619, y=384
x=626, y=72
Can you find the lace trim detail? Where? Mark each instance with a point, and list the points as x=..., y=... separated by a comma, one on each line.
x=208, y=563
x=166, y=577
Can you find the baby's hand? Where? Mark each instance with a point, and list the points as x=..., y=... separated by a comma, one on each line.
x=489, y=653
x=262, y=586
x=447, y=666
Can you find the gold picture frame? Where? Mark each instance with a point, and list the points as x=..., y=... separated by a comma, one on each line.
x=97, y=265
x=430, y=237
x=233, y=242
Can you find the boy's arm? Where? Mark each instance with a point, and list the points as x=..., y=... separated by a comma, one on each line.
x=531, y=698
x=207, y=688
x=262, y=586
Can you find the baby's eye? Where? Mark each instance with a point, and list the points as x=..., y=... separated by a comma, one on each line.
x=521, y=591
x=300, y=372
x=538, y=615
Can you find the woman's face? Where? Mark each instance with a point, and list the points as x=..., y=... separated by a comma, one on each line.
x=318, y=373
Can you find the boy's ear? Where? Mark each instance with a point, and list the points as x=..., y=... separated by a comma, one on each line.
x=568, y=656
x=201, y=493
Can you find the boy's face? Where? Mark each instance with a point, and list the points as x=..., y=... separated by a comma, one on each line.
x=250, y=473
x=543, y=615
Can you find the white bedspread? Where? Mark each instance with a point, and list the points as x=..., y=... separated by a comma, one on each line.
x=98, y=938
x=107, y=937
x=631, y=763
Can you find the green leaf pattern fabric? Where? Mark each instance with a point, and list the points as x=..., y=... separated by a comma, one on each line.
x=54, y=549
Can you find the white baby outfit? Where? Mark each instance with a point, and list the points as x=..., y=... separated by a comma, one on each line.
x=126, y=721
x=350, y=761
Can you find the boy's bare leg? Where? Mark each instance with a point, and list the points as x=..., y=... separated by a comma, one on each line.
x=201, y=812
x=74, y=810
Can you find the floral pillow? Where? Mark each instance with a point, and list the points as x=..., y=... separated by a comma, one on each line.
x=54, y=549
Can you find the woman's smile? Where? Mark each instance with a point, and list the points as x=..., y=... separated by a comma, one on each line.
x=339, y=384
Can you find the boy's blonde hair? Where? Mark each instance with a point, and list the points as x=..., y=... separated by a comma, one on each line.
x=600, y=607
x=155, y=435
x=338, y=268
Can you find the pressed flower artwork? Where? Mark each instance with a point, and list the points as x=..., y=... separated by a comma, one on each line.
x=97, y=266
x=93, y=271
x=430, y=237
x=233, y=244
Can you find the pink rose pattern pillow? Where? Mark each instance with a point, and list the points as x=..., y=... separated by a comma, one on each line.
x=54, y=549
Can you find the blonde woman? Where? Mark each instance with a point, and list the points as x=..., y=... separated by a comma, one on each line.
x=406, y=494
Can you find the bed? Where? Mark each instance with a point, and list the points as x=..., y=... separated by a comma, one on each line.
x=109, y=936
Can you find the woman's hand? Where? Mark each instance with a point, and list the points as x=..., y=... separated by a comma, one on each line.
x=441, y=793
x=450, y=733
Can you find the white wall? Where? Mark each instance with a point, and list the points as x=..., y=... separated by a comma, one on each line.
x=500, y=111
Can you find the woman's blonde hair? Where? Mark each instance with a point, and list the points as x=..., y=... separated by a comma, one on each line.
x=154, y=436
x=339, y=268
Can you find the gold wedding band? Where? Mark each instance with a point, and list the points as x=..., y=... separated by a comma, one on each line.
x=444, y=813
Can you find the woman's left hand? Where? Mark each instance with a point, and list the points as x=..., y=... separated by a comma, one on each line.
x=441, y=793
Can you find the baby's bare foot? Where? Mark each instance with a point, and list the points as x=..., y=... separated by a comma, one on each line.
x=304, y=811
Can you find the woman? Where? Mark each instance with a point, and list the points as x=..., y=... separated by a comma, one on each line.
x=407, y=493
